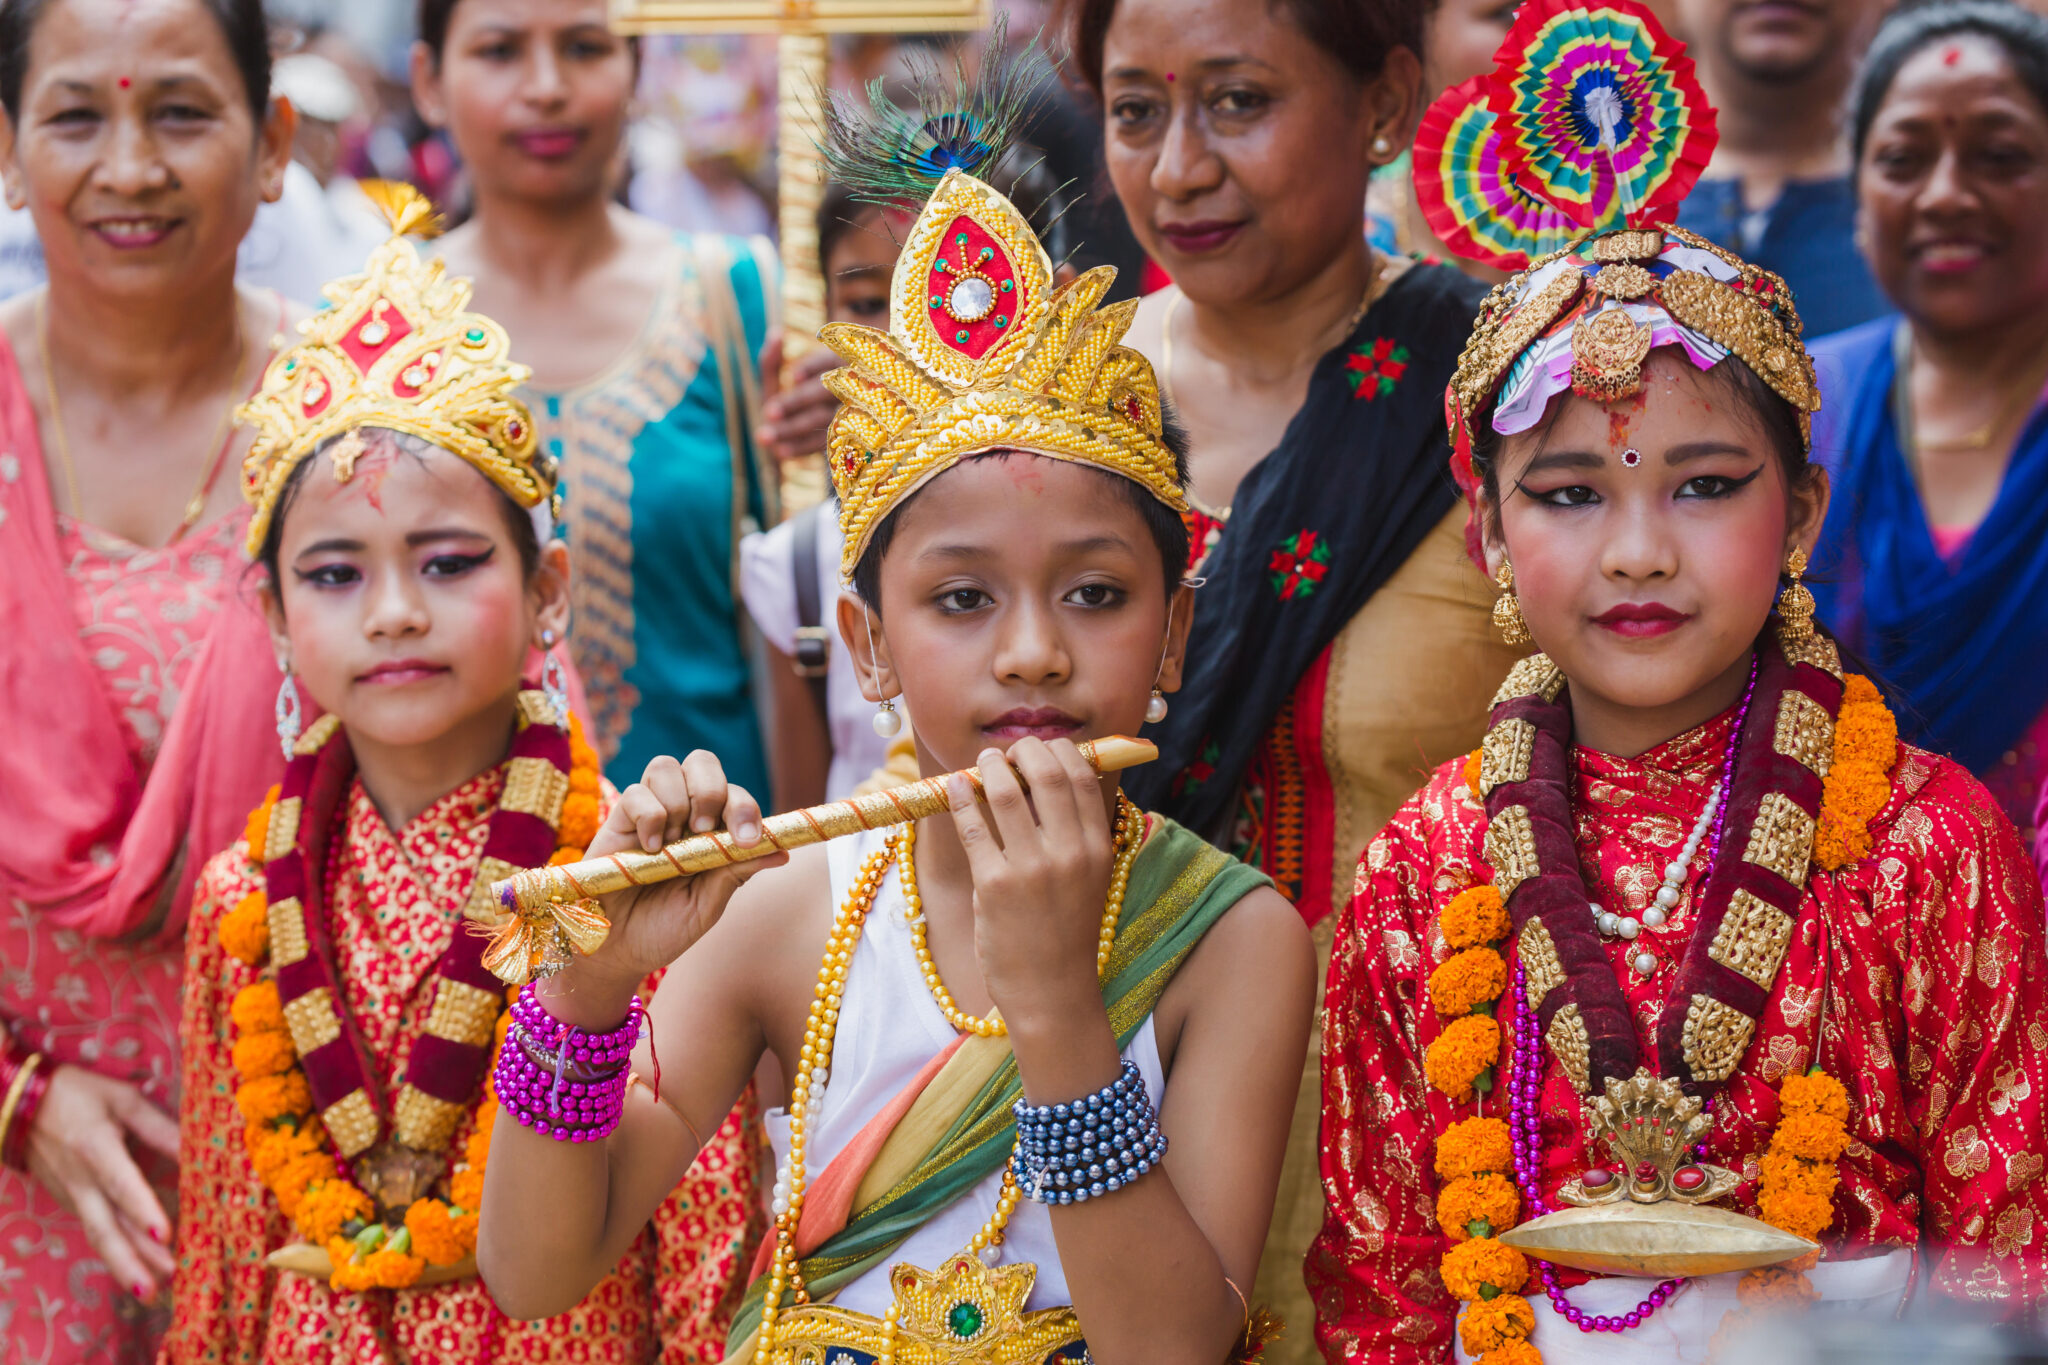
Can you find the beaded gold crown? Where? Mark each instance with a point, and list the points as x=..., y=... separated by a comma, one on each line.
x=395, y=349
x=984, y=353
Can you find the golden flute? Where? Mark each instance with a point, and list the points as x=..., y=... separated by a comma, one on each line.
x=537, y=890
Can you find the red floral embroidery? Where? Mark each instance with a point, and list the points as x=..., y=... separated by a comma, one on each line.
x=1374, y=368
x=1298, y=565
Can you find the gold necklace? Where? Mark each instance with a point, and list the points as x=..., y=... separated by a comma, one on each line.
x=2010, y=406
x=819, y=1032
x=1128, y=824
x=195, y=506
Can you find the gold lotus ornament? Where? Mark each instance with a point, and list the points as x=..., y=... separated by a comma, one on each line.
x=1645, y=1216
x=963, y=1313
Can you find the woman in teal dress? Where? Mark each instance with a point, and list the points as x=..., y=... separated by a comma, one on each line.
x=643, y=344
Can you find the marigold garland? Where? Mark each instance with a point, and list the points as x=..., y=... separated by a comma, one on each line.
x=1796, y=1180
x=285, y=1142
x=1489, y=1201
x=1474, y=1147
x=1468, y=980
x=1859, y=782
x=1475, y=917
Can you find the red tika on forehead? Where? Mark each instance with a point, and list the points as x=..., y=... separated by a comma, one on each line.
x=975, y=294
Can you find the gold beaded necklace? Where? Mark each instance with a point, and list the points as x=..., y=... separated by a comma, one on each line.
x=1129, y=824
x=813, y=1068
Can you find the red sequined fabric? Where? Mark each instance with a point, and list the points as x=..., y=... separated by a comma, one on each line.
x=391, y=902
x=1917, y=977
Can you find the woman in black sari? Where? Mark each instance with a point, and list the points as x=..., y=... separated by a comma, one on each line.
x=1342, y=644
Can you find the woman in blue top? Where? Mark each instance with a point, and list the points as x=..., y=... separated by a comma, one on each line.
x=643, y=346
x=1934, y=561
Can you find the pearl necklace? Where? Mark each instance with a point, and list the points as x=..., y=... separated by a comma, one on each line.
x=809, y=1089
x=1627, y=927
x=1129, y=825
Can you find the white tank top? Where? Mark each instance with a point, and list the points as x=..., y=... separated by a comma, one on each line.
x=889, y=1027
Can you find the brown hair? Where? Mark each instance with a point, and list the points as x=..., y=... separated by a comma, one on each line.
x=1358, y=34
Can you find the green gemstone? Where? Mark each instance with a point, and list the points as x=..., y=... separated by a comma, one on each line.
x=1002, y=321
x=474, y=336
x=961, y=336
x=964, y=1320
x=1009, y=286
x=938, y=302
x=939, y=266
x=988, y=253
x=961, y=238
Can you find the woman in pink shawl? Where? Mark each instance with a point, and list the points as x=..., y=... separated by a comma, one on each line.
x=136, y=682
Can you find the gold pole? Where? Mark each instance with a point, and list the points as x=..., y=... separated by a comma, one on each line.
x=800, y=175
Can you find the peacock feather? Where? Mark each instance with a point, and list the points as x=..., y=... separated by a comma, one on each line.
x=886, y=154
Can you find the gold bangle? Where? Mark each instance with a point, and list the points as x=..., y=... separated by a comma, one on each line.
x=14, y=1094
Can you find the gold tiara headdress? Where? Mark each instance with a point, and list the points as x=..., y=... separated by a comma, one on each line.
x=395, y=349
x=983, y=352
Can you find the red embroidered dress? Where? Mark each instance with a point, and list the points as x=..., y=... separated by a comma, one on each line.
x=1917, y=974
x=389, y=900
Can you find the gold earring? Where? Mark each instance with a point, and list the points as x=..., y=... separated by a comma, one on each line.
x=1795, y=603
x=1507, y=609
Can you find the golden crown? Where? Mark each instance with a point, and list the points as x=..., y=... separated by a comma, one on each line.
x=394, y=349
x=984, y=353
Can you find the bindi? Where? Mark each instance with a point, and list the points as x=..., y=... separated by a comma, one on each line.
x=123, y=82
x=1951, y=56
x=1631, y=457
x=1169, y=78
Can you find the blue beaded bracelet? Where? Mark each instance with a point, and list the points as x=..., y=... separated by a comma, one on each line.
x=1071, y=1153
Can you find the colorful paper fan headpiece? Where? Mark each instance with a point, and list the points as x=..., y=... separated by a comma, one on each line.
x=984, y=351
x=1467, y=191
x=1599, y=112
x=1593, y=114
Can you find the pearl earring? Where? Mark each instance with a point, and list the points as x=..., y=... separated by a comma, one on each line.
x=1382, y=148
x=1155, y=709
x=888, y=724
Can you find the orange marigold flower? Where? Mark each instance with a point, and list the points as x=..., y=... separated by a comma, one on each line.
x=257, y=834
x=245, y=930
x=388, y=1269
x=1775, y=1286
x=324, y=1208
x=1474, y=1147
x=1461, y=1054
x=563, y=856
x=1799, y=1213
x=1467, y=980
x=1512, y=1353
x=466, y=1189
x=1838, y=840
x=257, y=1007
x=1490, y=1324
x=579, y=821
x=1471, y=770
x=1783, y=1171
x=347, y=1277
x=269, y=1098
x=1815, y=1092
x=1487, y=1199
x=297, y=1176
x=1483, y=1262
x=265, y=1053
x=269, y=1148
x=1475, y=916
x=434, y=1233
x=1811, y=1136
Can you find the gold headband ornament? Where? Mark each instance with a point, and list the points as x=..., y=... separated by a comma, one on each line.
x=394, y=349
x=1567, y=161
x=983, y=351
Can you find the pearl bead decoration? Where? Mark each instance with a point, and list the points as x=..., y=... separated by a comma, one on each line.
x=888, y=722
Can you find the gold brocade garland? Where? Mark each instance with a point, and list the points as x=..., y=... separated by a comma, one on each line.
x=1797, y=1179
x=284, y=1139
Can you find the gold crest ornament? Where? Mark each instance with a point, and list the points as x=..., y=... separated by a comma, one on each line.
x=984, y=353
x=395, y=349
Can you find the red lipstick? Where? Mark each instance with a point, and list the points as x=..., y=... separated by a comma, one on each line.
x=549, y=144
x=1031, y=722
x=1641, y=620
x=1196, y=239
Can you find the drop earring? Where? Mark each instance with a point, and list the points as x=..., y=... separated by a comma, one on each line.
x=1507, y=609
x=553, y=682
x=1795, y=603
x=888, y=724
x=1155, y=709
x=289, y=717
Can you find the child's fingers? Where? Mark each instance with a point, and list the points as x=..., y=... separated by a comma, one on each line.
x=664, y=777
x=1007, y=804
x=742, y=815
x=1086, y=784
x=984, y=856
x=707, y=790
x=1052, y=793
x=640, y=814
